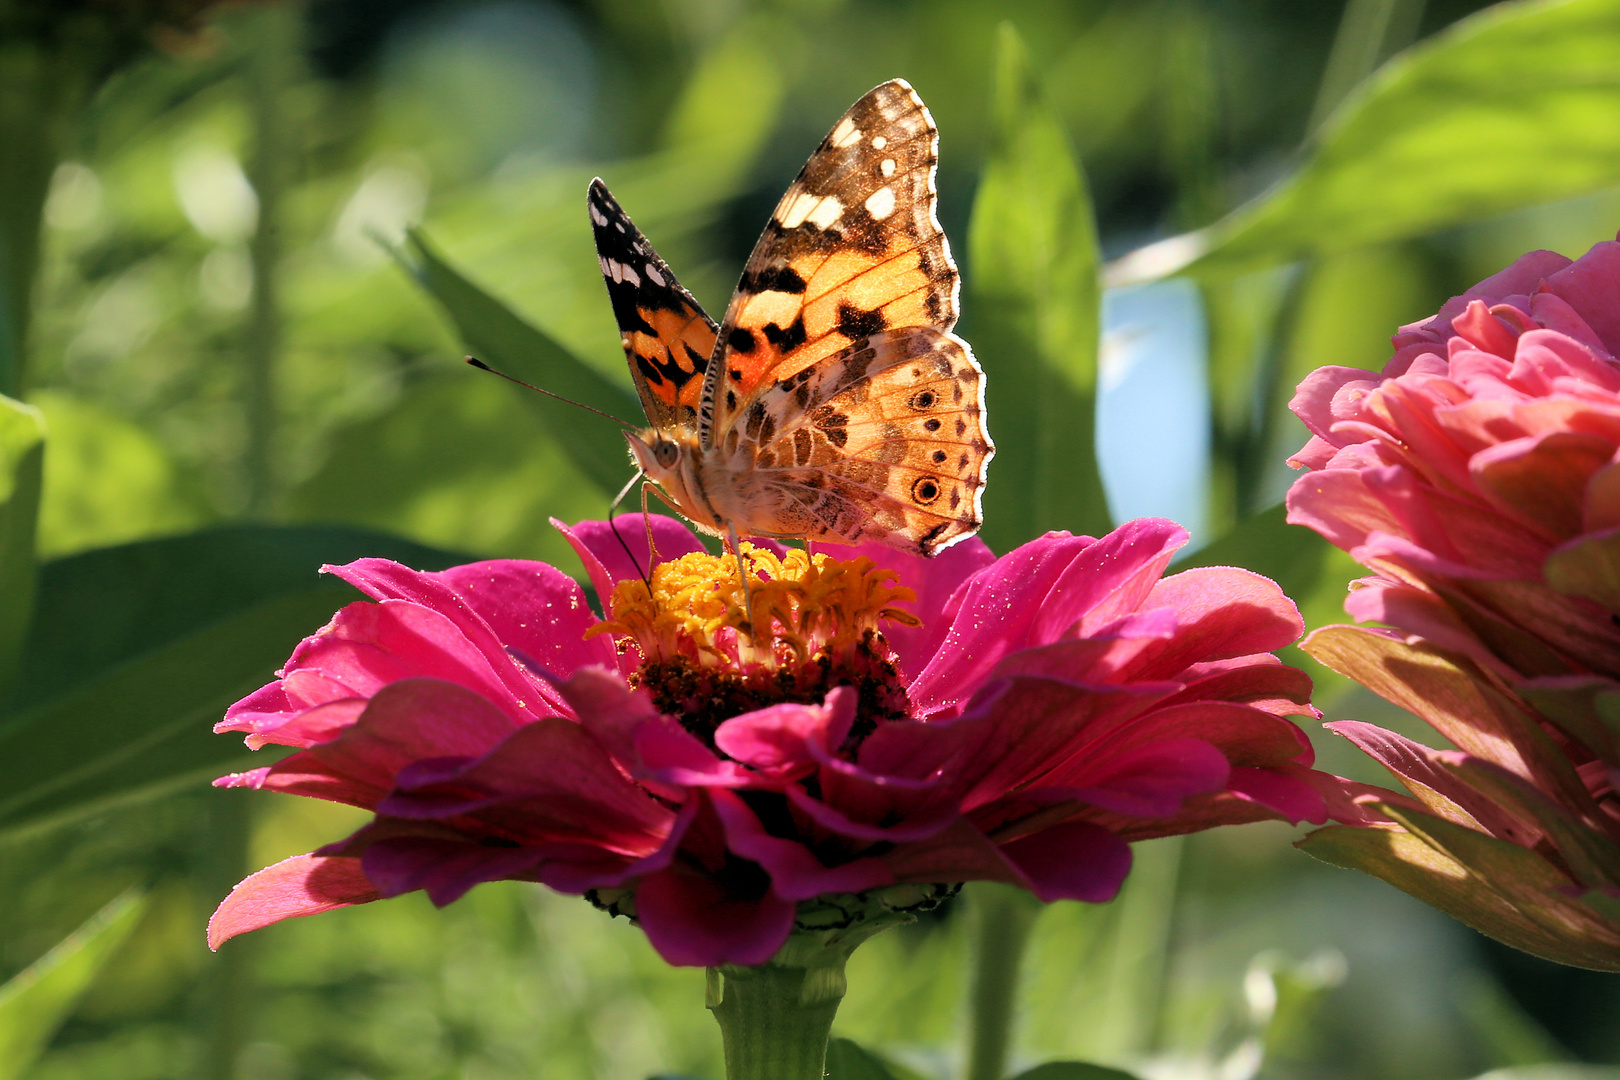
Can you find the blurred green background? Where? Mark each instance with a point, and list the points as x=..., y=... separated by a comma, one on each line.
x=223, y=332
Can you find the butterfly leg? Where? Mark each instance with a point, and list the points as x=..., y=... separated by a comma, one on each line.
x=742, y=571
x=646, y=519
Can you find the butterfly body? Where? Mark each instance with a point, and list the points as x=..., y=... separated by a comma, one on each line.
x=832, y=403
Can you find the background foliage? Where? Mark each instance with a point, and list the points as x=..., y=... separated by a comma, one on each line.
x=240, y=365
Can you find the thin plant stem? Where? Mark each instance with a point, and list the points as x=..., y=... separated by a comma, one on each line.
x=269, y=74
x=775, y=1019
x=1002, y=918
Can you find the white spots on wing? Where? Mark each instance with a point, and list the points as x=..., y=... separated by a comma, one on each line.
x=619, y=225
x=819, y=210
x=824, y=215
x=597, y=217
x=887, y=167
x=655, y=277
x=844, y=134
x=879, y=142
x=880, y=204
x=619, y=272
x=607, y=267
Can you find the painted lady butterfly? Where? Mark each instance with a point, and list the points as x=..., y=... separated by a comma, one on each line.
x=833, y=403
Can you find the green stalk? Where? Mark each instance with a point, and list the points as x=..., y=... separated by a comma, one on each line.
x=1002, y=919
x=43, y=86
x=271, y=69
x=775, y=1019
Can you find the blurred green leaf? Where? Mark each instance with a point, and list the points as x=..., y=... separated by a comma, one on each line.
x=1554, y=1072
x=1511, y=107
x=107, y=481
x=1073, y=1070
x=847, y=1061
x=138, y=649
x=34, y=1003
x=22, y=453
x=1034, y=315
x=501, y=339
x=459, y=462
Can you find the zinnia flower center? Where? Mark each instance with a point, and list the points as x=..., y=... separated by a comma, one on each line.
x=815, y=626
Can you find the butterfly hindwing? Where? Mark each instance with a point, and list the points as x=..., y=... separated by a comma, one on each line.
x=668, y=338
x=853, y=248
x=884, y=440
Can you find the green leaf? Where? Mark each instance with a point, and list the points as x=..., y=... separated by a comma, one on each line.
x=1511, y=107
x=139, y=649
x=1033, y=315
x=497, y=336
x=22, y=455
x=1073, y=1070
x=1554, y=1072
x=847, y=1061
x=108, y=481
x=34, y=1003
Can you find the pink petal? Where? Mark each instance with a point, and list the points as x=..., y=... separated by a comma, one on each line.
x=1072, y=861
x=1155, y=780
x=692, y=921
x=935, y=581
x=795, y=873
x=1291, y=796
x=777, y=739
x=610, y=559
x=295, y=887
x=1590, y=285
x=441, y=594
x=405, y=722
x=1033, y=595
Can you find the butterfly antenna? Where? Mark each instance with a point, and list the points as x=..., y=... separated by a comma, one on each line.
x=617, y=499
x=481, y=366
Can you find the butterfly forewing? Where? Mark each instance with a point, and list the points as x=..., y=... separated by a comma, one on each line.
x=853, y=249
x=668, y=338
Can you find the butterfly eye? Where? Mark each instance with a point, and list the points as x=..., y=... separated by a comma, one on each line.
x=666, y=454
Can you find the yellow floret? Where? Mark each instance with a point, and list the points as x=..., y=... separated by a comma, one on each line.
x=805, y=603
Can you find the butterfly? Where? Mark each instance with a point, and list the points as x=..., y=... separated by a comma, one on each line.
x=832, y=402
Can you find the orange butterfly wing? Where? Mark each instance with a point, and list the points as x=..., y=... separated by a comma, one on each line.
x=853, y=249
x=668, y=338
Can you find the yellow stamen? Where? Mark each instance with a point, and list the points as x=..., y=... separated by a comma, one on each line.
x=803, y=604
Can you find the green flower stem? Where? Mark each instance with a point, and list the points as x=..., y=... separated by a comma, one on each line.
x=775, y=1019
x=1002, y=919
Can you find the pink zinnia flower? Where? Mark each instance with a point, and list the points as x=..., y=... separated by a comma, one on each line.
x=1478, y=477
x=911, y=724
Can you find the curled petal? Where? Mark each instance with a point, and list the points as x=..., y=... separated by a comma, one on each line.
x=295, y=887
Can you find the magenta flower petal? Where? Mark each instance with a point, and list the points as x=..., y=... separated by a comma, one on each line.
x=1052, y=704
x=1155, y=780
x=617, y=551
x=935, y=582
x=443, y=593
x=295, y=887
x=1034, y=595
x=795, y=873
x=1073, y=861
x=405, y=722
x=690, y=919
x=777, y=740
